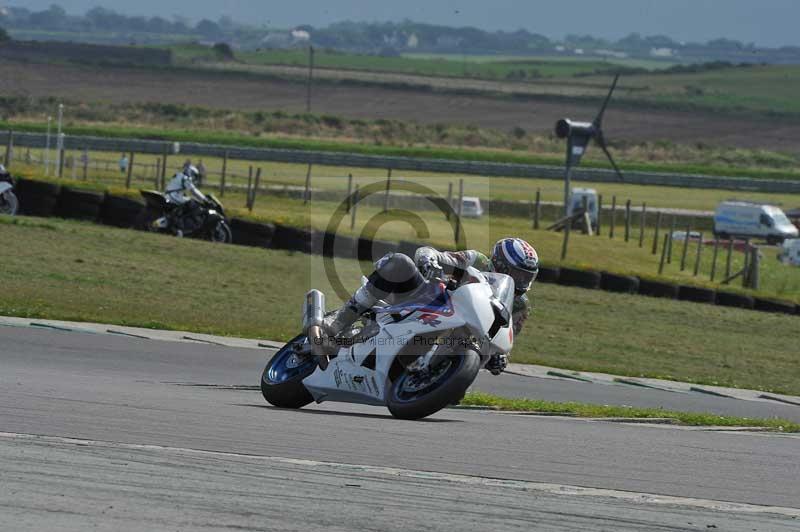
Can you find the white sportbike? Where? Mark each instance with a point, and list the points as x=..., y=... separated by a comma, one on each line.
x=415, y=358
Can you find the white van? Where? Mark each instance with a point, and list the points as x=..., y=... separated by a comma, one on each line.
x=745, y=219
x=576, y=202
x=471, y=207
x=790, y=252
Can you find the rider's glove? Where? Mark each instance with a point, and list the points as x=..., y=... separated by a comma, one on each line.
x=497, y=364
x=429, y=267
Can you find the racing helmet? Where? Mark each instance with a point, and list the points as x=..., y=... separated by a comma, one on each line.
x=191, y=172
x=517, y=259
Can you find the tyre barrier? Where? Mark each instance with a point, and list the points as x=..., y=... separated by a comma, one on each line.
x=79, y=204
x=253, y=234
x=372, y=250
x=333, y=245
x=581, y=278
x=696, y=294
x=120, y=211
x=37, y=198
x=624, y=284
x=292, y=239
x=548, y=275
x=658, y=289
x=408, y=248
x=769, y=305
x=731, y=299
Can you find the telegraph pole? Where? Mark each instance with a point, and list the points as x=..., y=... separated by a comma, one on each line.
x=310, y=77
x=47, y=147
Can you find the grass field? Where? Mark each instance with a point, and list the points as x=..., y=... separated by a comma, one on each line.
x=765, y=89
x=500, y=68
x=76, y=271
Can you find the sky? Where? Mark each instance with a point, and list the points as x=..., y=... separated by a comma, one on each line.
x=764, y=22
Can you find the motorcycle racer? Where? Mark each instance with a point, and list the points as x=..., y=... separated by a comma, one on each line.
x=398, y=278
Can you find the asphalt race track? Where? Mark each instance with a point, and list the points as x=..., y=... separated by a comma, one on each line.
x=115, y=433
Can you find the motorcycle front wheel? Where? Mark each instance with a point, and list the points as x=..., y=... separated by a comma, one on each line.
x=282, y=379
x=415, y=395
x=8, y=203
x=221, y=233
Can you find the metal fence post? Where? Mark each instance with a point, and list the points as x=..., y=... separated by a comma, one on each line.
x=627, y=220
x=642, y=221
x=224, y=175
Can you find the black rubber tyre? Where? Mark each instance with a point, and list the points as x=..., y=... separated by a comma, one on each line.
x=145, y=219
x=548, y=275
x=767, y=305
x=79, y=204
x=696, y=294
x=625, y=284
x=251, y=233
x=408, y=248
x=221, y=234
x=286, y=390
x=731, y=299
x=372, y=250
x=292, y=238
x=119, y=211
x=581, y=278
x=37, y=188
x=9, y=204
x=658, y=289
x=37, y=198
x=451, y=389
x=44, y=206
x=333, y=245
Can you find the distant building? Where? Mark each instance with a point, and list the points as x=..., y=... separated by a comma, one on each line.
x=611, y=53
x=412, y=41
x=662, y=52
x=300, y=36
x=286, y=39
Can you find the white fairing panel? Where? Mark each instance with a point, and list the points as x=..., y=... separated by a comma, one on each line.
x=5, y=187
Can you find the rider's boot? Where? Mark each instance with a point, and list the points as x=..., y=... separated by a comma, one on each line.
x=339, y=320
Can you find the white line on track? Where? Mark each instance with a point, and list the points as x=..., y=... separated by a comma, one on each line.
x=519, y=485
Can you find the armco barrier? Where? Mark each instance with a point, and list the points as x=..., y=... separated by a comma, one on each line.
x=74, y=142
x=314, y=242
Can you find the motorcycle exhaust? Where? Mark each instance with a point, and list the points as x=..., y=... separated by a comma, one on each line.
x=313, y=314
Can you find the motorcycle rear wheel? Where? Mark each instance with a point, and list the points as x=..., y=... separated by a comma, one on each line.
x=8, y=203
x=282, y=379
x=415, y=400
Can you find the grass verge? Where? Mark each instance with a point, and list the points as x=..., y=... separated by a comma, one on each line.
x=695, y=419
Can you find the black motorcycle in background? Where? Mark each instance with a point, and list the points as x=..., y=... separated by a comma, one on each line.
x=204, y=220
x=9, y=204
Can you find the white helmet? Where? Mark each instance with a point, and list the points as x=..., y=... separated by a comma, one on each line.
x=517, y=259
